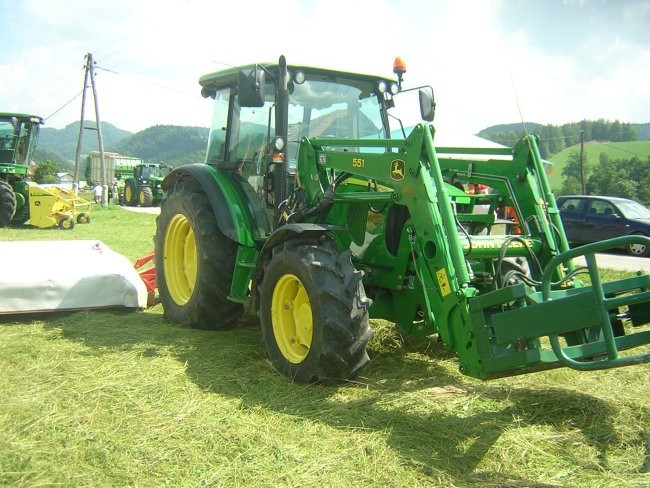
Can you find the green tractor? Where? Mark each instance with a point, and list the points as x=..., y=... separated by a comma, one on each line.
x=18, y=138
x=324, y=202
x=144, y=187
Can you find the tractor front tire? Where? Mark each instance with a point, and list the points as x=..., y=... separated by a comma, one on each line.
x=7, y=203
x=145, y=197
x=194, y=262
x=130, y=194
x=314, y=312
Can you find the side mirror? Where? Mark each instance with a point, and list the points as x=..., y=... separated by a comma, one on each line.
x=427, y=104
x=251, y=88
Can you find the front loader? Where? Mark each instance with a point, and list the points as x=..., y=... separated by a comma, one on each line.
x=323, y=203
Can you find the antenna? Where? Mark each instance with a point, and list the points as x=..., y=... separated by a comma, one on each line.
x=514, y=89
x=521, y=117
x=90, y=72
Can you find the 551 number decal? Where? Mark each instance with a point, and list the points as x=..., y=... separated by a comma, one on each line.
x=358, y=162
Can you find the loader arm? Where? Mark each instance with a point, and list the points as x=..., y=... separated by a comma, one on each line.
x=494, y=329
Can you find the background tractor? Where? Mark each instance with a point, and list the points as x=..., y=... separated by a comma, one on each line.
x=323, y=202
x=22, y=200
x=18, y=138
x=144, y=187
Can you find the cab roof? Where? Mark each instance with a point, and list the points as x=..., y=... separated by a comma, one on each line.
x=228, y=77
x=23, y=117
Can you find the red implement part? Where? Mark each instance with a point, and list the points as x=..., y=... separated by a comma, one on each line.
x=149, y=277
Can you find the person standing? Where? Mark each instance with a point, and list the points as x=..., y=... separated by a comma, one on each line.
x=98, y=193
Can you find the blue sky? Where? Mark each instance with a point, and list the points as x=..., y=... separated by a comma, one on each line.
x=489, y=61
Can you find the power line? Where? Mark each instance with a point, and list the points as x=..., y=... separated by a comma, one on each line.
x=64, y=105
x=194, y=95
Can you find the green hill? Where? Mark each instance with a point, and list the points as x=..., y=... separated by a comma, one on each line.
x=592, y=152
x=63, y=142
x=169, y=143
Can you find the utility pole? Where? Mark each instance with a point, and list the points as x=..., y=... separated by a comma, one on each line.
x=90, y=72
x=582, y=166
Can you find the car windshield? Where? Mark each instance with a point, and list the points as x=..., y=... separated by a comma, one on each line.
x=633, y=210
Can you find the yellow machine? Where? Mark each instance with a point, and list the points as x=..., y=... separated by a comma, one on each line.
x=54, y=206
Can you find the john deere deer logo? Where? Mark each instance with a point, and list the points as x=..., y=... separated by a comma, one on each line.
x=397, y=169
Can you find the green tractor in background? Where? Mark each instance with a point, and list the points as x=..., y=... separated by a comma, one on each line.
x=317, y=209
x=18, y=138
x=144, y=187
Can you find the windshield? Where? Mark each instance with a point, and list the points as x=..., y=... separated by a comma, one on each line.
x=150, y=171
x=340, y=109
x=633, y=210
x=7, y=133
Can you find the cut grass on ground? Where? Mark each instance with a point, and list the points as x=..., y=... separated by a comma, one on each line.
x=112, y=398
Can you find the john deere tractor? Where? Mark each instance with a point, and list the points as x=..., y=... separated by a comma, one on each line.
x=324, y=202
x=18, y=137
x=143, y=188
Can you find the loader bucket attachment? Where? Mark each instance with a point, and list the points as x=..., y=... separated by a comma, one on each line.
x=53, y=206
x=586, y=326
x=604, y=303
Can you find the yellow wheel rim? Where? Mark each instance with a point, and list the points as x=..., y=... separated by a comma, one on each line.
x=292, y=320
x=180, y=260
x=128, y=194
x=142, y=200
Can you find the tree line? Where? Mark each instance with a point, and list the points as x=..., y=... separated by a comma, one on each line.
x=627, y=178
x=555, y=138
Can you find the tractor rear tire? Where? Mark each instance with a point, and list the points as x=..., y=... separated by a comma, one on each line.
x=7, y=203
x=194, y=262
x=145, y=197
x=130, y=194
x=21, y=216
x=314, y=312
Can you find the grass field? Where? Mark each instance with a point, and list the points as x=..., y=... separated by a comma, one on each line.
x=592, y=152
x=114, y=398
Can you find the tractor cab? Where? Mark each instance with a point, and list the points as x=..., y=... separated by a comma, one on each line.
x=262, y=112
x=145, y=172
x=18, y=138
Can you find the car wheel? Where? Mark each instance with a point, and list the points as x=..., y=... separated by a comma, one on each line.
x=638, y=250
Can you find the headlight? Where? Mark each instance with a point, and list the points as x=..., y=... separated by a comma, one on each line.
x=278, y=143
x=299, y=77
